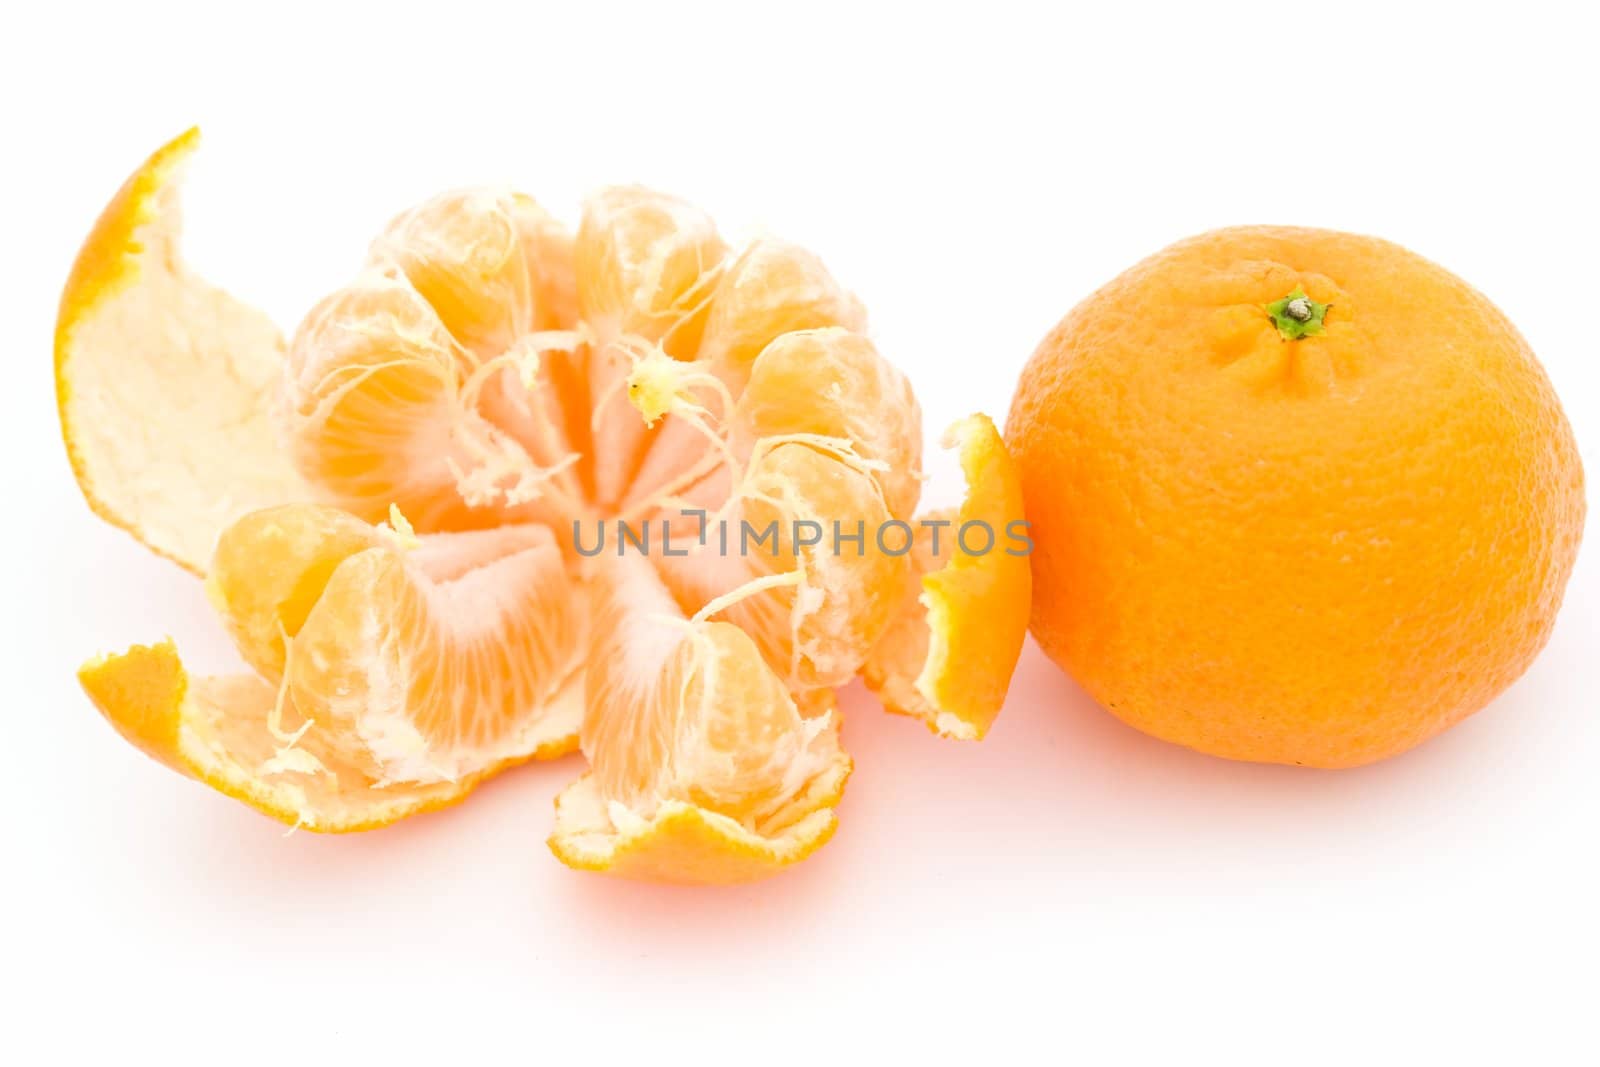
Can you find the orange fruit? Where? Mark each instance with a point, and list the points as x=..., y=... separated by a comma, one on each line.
x=1297, y=496
x=516, y=392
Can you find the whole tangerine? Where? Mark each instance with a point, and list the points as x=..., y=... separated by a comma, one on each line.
x=1297, y=496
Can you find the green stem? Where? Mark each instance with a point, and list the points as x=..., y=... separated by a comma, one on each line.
x=1297, y=315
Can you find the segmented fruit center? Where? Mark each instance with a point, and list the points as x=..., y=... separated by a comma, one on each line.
x=483, y=372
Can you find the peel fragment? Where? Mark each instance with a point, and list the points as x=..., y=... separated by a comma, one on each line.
x=164, y=382
x=687, y=844
x=215, y=730
x=948, y=657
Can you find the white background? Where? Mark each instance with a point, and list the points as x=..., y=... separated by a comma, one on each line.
x=1068, y=886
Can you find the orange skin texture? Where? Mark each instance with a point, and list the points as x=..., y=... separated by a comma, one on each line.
x=106, y=259
x=140, y=693
x=1322, y=551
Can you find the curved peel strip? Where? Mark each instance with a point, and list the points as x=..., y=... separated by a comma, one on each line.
x=216, y=730
x=163, y=381
x=685, y=843
x=948, y=657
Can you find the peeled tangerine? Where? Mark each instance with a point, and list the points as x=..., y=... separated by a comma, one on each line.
x=397, y=515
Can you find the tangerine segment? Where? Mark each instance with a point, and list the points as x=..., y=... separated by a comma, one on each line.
x=547, y=248
x=420, y=663
x=385, y=406
x=948, y=657
x=794, y=560
x=163, y=382
x=771, y=289
x=704, y=767
x=646, y=264
x=497, y=271
x=216, y=730
x=832, y=383
x=270, y=569
x=463, y=252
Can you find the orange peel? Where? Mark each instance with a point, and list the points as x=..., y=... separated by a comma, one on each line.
x=685, y=843
x=214, y=729
x=948, y=657
x=164, y=382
